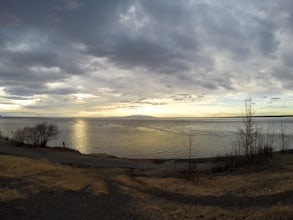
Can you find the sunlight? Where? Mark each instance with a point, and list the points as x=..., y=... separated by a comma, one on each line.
x=83, y=95
x=56, y=85
x=9, y=107
x=23, y=102
x=79, y=135
x=180, y=110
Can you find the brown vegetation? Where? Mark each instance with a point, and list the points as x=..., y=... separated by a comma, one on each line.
x=39, y=189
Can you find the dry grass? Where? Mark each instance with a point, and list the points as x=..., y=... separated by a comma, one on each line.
x=259, y=195
x=31, y=176
x=266, y=194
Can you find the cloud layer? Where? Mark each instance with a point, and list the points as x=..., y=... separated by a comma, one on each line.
x=97, y=58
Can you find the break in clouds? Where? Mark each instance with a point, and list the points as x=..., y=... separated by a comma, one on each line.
x=116, y=57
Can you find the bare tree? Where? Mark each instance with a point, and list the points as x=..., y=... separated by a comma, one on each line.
x=189, y=145
x=190, y=169
x=39, y=135
x=284, y=139
x=44, y=133
x=248, y=133
x=19, y=136
x=250, y=139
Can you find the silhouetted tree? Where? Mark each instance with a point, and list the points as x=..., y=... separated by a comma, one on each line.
x=39, y=135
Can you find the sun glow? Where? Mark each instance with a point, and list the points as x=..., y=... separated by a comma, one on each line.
x=9, y=107
x=79, y=136
x=83, y=95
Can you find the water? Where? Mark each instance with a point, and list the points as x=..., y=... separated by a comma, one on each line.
x=149, y=138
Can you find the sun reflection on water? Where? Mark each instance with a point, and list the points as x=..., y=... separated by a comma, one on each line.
x=80, y=135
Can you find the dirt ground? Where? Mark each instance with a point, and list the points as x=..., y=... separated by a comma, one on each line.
x=40, y=189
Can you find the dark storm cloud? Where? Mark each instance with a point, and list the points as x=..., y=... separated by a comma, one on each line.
x=189, y=45
x=31, y=47
x=29, y=80
x=98, y=25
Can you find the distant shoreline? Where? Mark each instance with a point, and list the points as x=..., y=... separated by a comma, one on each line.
x=149, y=117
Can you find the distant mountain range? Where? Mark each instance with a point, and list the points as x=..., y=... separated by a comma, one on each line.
x=139, y=116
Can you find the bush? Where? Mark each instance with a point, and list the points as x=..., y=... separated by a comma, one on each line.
x=266, y=151
x=39, y=135
x=18, y=136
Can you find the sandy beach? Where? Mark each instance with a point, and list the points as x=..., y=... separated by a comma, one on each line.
x=48, y=183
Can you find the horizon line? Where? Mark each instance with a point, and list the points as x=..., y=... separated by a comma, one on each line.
x=145, y=116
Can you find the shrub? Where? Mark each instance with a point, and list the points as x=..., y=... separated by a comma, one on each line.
x=266, y=151
x=18, y=136
x=39, y=135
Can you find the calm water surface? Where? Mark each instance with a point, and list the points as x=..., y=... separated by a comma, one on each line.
x=149, y=138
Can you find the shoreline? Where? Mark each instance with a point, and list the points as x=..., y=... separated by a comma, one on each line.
x=218, y=158
x=151, y=167
x=155, y=160
x=75, y=158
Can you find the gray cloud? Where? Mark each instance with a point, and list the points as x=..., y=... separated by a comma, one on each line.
x=136, y=48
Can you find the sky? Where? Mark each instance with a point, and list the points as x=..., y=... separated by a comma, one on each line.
x=165, y=58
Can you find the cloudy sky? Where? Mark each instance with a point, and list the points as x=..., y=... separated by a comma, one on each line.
x=155, y=57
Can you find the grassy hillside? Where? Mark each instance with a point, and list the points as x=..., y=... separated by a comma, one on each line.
x=34, y=189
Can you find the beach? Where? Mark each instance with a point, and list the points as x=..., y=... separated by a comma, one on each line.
x=62, y=184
